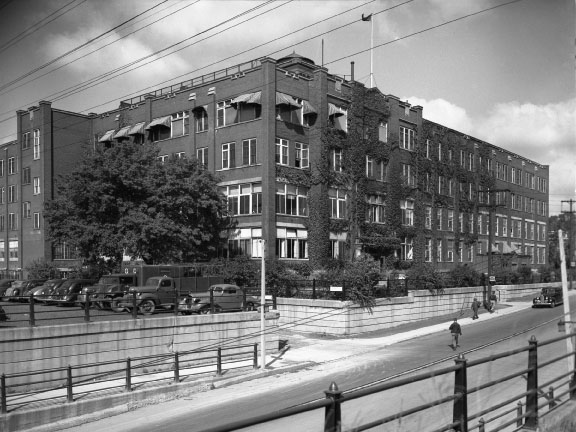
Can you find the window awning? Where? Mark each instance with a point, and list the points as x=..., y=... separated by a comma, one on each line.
x=122, y=133
x=249, y=98
x=160, y=121
x=201, y=108
x=107, y=136
x=334, y=110
x=285, y=99
x=308, y=108
x=138, y=128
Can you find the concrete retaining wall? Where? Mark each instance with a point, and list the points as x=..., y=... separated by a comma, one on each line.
x=333, y=317
x=23, y=350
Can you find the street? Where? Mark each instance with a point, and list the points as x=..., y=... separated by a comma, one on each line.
x=259, y=396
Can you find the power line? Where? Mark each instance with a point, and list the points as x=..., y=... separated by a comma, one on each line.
x=73, y=50
x=37, y=26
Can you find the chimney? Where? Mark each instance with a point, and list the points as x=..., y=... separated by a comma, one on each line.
x=351, y=71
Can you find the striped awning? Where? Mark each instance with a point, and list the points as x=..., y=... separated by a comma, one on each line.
x=160, y=121
x=334, y=110
x=285, y=99
x=122, y=133
x=307, y=108
x=107, y=136
x=249, y=98
x=138, y=128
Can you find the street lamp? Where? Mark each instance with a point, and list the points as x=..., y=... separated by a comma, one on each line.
x=562, y=329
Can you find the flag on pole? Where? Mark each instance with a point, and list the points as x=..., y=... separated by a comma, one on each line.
x=367, y=18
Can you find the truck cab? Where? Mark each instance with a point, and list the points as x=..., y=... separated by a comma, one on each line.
x=159, y=292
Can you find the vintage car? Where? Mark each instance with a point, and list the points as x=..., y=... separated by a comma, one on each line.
x=67, y=292
x=4, y=285
x=226, y=297
x=549, y=297
x=43, y=292
x=19, y=289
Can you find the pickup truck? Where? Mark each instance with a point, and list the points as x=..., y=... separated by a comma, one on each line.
x=226, y=297
x=106, y=294
x=159, y=292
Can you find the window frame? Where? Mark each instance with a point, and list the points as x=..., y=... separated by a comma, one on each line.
x=282, y=151
x=301, y=155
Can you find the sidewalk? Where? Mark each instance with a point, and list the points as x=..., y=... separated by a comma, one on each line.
x=300, y=352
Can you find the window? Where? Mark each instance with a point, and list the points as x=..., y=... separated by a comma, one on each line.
x=471, y=223
x=369, y=167
x=2, y=195
x=36, y=144
x=450, y=220
x=246, y=241
x=407, y=208
x=26, y=178
x=471, y=162
x=232, y=111
x=289, y=109
x=2, y=168
x=291, y=200
x=451, y=187
x=337, y=203
x=406, y=249
x=244, y=199
x=441, y=185
x=337, y=248
x=291, y=243
x=36, y=220
x=2, y=223
x=12, y=221
x=12, y=165
x=428, y=250
x=301, y=156
x=13, y=250
x=450, y=250
x=460, y=251
x=163, y=158
x=439, y=219
x=281, y=151
x=462, y=158
x=201, y=119
x=383, y=132
x=428, y=217
x=180, y=124
x=225, y=113
x=249, y=151
x=380, y=171
x=439, y=152
x=409, y=175
x=228, y=155
x=26, y=210
x=336, y=160
x=338, y=117
x=36, y=186
x=64, y=251
x=504, y=227
x=12, y=195
x=439, y=256
x=25, y=140
x=375, y=211
x=202, y=156
x=427, y=152
x=407, y=138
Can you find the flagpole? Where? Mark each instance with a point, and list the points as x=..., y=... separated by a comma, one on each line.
x=371, y=51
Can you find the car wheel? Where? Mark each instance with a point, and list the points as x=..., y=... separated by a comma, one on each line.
x=552, y=304
x=205, y=310
x=250, y=306
x=147, y=307
x=115, y=306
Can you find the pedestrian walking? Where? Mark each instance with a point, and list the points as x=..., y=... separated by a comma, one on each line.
x=475, y=307
x=456, y=333
x=493, y=300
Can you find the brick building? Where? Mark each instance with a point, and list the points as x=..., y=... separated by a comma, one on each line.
x=261, y=126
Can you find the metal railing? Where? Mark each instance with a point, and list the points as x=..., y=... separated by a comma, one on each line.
x=90, y=378
x=514, y=413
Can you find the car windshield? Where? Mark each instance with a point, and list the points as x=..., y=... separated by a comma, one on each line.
x=549, y=291
x=18, y=284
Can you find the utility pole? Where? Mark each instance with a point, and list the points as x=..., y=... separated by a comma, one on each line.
x=570, y=260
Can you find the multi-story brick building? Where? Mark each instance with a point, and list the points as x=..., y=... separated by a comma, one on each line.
x=262, y=127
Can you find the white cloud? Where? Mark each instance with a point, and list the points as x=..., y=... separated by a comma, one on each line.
x=443, y=112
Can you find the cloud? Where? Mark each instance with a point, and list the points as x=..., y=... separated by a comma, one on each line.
x=543, y=133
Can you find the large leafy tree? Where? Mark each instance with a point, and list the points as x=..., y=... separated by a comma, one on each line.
x=124, y=200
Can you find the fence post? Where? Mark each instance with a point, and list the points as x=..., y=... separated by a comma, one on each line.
x=176, y=367
x=176, y=303
x=481, y=425
x=255, y=361
x=532, y=386
x=519, y=414
x=211, y=301
x=87, y=307
x=460, y=409
x=274, y=297
x=343, y=291
x=219, y=362
x=134, y=308
x=32, y=319
x=333, y=413
x=313, y=289
x=69, y=385
x=128, y=374
x=3, y=403
x=551, y=400
x=243, y=307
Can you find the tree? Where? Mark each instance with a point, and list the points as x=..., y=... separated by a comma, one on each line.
x=124, y=200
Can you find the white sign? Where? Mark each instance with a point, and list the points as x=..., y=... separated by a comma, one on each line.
x=335, y=288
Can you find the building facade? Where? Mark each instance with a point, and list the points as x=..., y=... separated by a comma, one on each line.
x=312, y=165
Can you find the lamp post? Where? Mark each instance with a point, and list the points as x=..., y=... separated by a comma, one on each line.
x=562, y=329
x=566, y=320
x=263, y=308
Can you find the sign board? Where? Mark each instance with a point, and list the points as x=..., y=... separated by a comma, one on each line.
x=492, y=279
x=336, y=288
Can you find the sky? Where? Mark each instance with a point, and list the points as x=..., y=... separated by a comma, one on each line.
x=499, y=70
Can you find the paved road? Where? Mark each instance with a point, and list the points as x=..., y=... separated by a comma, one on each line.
x=259, y=396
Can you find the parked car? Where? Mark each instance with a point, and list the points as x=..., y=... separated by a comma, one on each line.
x=42, y=293
x=226, y=297
x=15, y=291
x=548, y=297
x=67, y=292
x=30, y=286
x=4, y=285
x=106, y=294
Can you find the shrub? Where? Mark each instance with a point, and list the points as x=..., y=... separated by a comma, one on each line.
x=463, y=276
x=425, y=276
